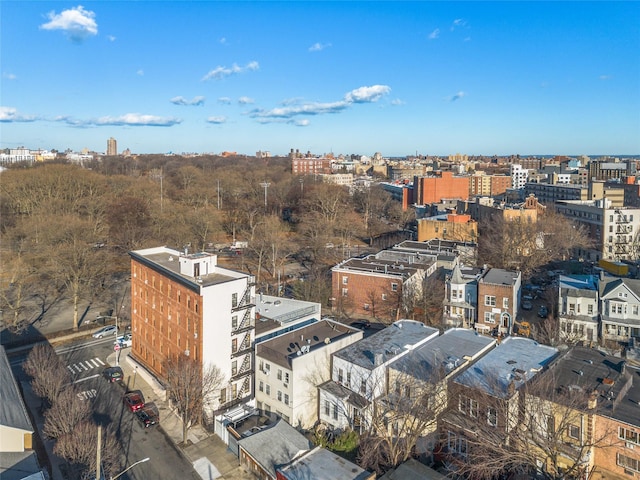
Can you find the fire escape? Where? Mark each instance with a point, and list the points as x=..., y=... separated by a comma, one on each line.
x=242, y=332
x=623, y=231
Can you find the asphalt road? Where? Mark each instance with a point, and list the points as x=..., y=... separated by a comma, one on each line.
x=85, y=360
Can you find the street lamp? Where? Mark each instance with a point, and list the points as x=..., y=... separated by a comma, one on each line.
x=130, y=467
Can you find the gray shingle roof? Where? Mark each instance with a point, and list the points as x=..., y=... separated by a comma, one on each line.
x=13, y=412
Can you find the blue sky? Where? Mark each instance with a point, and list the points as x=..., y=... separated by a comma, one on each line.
x=344, y=77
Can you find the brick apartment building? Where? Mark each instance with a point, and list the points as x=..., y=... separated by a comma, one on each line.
x=442, y=185
x=377, y=284
x=448, y=227
x=185, y=304
x=488, y=185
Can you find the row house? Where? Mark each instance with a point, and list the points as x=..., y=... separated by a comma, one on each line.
x=578, y=308
x=619, y=300
x=379, y=284
x=359, y=373
x=579, y=414
x=290, y=366
x=498, y=301
x=463, y=252
x=417, y=385
x=484, y=401
x=461, y=297
x=186, y=304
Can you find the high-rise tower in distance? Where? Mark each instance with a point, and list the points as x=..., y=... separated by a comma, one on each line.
x=112, y=146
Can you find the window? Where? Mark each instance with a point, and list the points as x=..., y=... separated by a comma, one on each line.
x=268, y=389
x=261, y=386
x=489, y=318
x=286, y=377
x=234, y=300
x=335, y=411
x=234, y=345
x=345, y=291
x=348, y=378
x=551, y=425
x=492, y=416
x=490, y=300
x=574, y=431
x=468, y=406
x=223, y=395
x=628, y=435
x=384, y=296
x=505, y=303
x=327, y=408
x=345, y=280
x=286, y=399
x=363, y=387
x=279, y=374
x=394, y=287
x=279, y=396
x=590, y=309
x=340, y=377
x=234, y=368
x=473, y=408
x=234, y=322
x=628, y=463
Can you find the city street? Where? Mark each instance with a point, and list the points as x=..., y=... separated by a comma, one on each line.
x=85, y=360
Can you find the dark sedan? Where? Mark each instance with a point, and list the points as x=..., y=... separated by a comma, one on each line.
x=113, y=374
x=148, y=415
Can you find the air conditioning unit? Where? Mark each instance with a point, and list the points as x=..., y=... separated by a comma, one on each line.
x=630, y=445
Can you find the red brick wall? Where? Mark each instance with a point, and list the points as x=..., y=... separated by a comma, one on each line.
x=364, y=289
x=434, y=189
x=500, y=292
x=165, y=316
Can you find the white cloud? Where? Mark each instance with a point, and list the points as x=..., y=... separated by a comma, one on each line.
x=224, y=100
x=367, y=94
x=457, y=96
x=301, y=123
x=11, y=114
x=245, y=100
x=111, y=38
x=318, y=47
x=222, y=72
x=140, y=72
x=9, y=76
x=397, y=101
x=435, y=34
x=128, y=119
x=217, y=120
x=197, y=101
x=458, y=22
x=77, y=23
x=293, y=108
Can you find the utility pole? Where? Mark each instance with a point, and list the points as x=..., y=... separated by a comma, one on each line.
x=98, y=459
x=265, y=185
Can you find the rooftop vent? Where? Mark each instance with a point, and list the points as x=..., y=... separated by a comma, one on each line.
x=608, y=381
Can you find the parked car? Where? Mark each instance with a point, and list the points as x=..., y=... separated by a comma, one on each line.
x=105, y=331
x=361, y=324
x=134, y=400
x=543, y=311
x=113, y=374
x=148, y=415
x=124, y=340
x=527, y=305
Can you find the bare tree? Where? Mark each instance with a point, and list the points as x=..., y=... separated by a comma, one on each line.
x=49, y=376
x=545, y=429
x=190, y=387
x=399, y=419
x=79, y=447
x=525, y=245
x=65, y=413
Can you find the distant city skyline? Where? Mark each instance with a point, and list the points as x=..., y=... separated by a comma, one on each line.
x=433, y=78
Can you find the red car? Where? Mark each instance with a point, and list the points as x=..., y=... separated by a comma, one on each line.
x=134, y=400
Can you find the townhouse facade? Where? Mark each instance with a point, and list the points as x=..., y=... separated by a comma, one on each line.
x=292, y=365
x=619, y=300
x=498, y=300
x=461, y=297
x=359, y=373
x=185, y=304
x=578, y=309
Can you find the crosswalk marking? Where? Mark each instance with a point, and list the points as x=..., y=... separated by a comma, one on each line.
x=85, y=365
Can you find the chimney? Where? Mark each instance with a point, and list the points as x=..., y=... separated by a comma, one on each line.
x=601, y=275
x=592, y=403
x=511, y=388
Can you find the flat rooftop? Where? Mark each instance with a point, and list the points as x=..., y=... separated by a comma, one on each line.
x=516, y=360
x=322, y=464
x=167, y=261
x=398, y=266
x=451, y=350
x=284, y=310
x=499, y=276
x=386, y=344
x=282, y=349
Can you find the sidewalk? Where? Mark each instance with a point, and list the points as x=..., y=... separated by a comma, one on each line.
x=207, y=453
